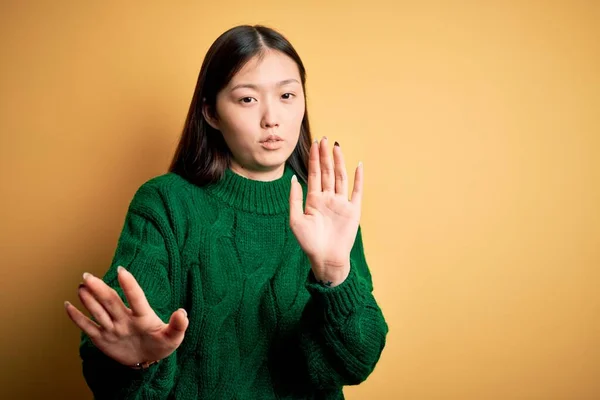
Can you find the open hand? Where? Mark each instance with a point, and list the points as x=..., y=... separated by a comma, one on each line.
x=129, y=336
x=326, y=228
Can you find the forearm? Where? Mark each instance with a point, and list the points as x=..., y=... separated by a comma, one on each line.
x=108, y=379
x=142, y=250
x=343, y=332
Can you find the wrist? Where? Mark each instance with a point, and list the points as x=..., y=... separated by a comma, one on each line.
x=144, y=365
x=331, y=276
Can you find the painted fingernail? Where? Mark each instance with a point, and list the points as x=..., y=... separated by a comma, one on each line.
x=120, y=269
x=294, y=178
x=86, y=275
x=80, y=285
x=336, y=144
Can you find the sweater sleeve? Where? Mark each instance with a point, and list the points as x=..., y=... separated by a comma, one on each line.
x=341, y=333
x=143, y=249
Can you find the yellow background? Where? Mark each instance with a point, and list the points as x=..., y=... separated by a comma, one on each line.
x=477, y=122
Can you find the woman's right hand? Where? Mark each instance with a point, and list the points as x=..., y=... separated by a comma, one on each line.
x=127, y=335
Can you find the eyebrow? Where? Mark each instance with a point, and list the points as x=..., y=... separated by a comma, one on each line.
x=255, y=87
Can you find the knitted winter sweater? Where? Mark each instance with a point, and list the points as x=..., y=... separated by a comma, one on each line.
x=260, y=326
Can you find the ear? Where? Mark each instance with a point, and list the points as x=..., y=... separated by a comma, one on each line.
x=207, y=112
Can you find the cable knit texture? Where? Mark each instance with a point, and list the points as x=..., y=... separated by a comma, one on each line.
x=260, y=327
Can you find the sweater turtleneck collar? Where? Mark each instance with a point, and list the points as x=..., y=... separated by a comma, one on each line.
x=254, y=196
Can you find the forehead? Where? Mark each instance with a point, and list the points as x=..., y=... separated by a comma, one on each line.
x=270, y=66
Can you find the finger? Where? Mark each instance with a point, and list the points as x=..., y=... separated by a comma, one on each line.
x=341, y=178
x=357, y=191
x=327, y=173
x=296, y=206
x=133, y=292
x=91, y=328
x=178, y=324
x=95, y=308
x=314, y=169
x=106, y=296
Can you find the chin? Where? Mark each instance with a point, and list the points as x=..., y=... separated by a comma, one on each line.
x=270, y=166
x=271, y=162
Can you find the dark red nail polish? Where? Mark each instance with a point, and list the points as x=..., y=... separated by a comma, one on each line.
x=336, y=144
x=81, y=285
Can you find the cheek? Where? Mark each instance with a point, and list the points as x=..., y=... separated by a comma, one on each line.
x=236, y=125
x=295, y=114
x=297, y=119
x=245, y=127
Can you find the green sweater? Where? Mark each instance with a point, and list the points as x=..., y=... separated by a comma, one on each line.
x=260, y=327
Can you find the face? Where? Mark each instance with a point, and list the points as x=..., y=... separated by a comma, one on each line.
x=259, y=114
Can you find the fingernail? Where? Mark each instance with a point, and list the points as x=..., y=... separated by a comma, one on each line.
x=119, y=269
x=360, y=164
x=294, y=178
x=336, y=144
x=324, y=137
x=184, y=312
x=316, y=141
x=67, y=304
x=86, y=275
x=80, y=285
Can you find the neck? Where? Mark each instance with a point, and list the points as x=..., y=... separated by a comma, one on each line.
x=252, y=195
x=265, y=175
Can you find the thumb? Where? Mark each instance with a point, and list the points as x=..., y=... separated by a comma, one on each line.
x=178, y=323
x=296, y=208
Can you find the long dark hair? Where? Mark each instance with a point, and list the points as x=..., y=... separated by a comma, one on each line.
x=202, y=154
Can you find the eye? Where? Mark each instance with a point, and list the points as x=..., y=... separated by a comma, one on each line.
x=246, y=100
x=288, y=96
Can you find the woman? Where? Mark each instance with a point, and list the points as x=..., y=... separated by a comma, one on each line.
x=249, y=248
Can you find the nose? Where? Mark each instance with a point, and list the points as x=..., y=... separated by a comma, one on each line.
x=269, y=116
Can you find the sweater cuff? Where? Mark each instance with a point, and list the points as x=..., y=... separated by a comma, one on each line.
x=107, y=377
x=341, y=300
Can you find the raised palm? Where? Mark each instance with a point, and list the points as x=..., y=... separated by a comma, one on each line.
x=326, y=226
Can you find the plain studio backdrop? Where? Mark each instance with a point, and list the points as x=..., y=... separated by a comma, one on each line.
x=478, y=125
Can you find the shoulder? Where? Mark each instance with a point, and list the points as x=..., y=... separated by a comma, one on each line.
x=161, y=192
x=165, y=183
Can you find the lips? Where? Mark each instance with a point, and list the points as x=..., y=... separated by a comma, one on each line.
x=272, y=143
x=271, y=138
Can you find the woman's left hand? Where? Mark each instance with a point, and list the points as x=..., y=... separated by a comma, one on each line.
x=326, y=228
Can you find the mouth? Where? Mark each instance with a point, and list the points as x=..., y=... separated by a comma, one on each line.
x=272, y=139
x=272, y=142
